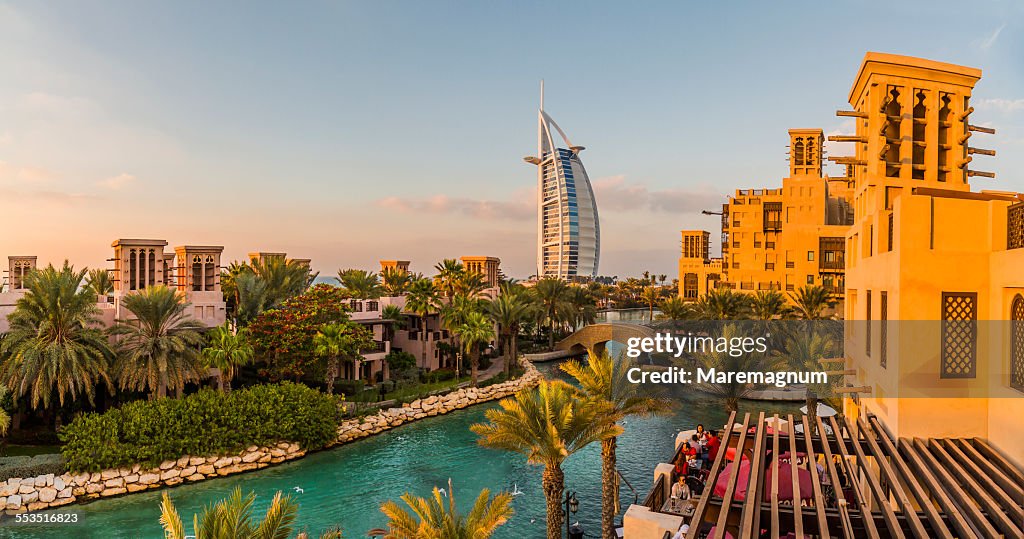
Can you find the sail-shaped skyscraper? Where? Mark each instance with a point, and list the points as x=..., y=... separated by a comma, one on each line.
x=568, y=230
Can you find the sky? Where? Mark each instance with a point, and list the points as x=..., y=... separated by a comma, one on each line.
x=349, y=132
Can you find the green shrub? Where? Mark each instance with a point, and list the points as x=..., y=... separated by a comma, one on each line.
x=23, y=466
x=349, y=387
x=399, y=360
x=204, y=423
x=440, y=375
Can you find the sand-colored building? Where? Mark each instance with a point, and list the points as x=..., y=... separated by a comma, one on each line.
x=933, y=268
x=780, y=238
x=488, y=266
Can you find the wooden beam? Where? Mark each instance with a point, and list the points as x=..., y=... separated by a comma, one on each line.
x=812, y=465
x=847, y=160
x=973, y=173
x=938, y=527
x=902, y=500
x=774, y=498
x=858, y=494
x=794, y=478
x=730, y=486
x=751, y=515
x=847, y=138
x=1009, y=504
x=851, y=114
x=891, y=522
x=980, y=151
x=993, y=458
x=980, y=129
x=965, y=113
x=837, y=487
x=959, y=497
x=702, y=506
x=980, y=495
x=937, y=491
x=845, y=372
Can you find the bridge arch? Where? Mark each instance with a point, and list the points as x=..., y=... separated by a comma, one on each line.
x=595, y=336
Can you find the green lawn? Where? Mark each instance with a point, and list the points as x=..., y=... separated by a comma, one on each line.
x=28, y=450
x=406, y=392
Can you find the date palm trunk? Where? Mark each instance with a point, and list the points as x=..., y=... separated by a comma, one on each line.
x=608, y=488
x=553, y=483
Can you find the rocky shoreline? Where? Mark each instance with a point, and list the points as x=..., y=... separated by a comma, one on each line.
x=19, y=495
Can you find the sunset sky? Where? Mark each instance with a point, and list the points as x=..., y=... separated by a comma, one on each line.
x=350, y=132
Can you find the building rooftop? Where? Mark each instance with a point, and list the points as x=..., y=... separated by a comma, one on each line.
x=909, y=66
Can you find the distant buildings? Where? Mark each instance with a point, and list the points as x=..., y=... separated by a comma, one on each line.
x=568, y=228
x=777, y=239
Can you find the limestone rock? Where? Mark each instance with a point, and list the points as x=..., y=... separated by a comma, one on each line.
x=113, y=491
x=47, y=494
x=148, y=479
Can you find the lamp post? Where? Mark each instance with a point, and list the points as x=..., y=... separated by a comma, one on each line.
x=458, y=365
x=571, y=506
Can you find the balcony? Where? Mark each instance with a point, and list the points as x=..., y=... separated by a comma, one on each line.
x=790, y=265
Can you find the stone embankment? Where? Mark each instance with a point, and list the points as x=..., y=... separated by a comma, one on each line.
x=18, y=495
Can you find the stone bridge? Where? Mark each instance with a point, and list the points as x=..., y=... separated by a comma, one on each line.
x=595, y=336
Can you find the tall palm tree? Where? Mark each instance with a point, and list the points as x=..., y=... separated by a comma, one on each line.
x=552, y=296
x=581, y=307
x=232, y=518
x=284, y=278
x=360, y=284
x=546, y=424
x=436, y=518
x=470, y=283
x=651, y=296
x=449, y=271
x=340, y=342
x=721, y=304
x=99, y=283
x=604, y=385
x=476, y=329
x=252, y=297
x=395, y=282
x=768, y=305
x=393, y=314
x=811, y=301
x=509, y=310
x=226, y=351
x=54, y=345
x=159, y=348
x=422, y=300
x=674, y=309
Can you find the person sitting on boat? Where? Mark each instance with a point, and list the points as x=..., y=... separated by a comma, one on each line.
x=680, y=490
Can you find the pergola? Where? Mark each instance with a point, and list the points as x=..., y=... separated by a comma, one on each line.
x=871, y=485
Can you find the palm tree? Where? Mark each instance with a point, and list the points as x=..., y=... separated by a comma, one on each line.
x=54, y=344
x=99, y=283
x=158, y=349
x=422, y=300
x=360, y=284
x=226, y=351
x=552, y=295
x=674, y=309
x=721, y=304
x=721, y=360
x=229, y=285
x=470, y=283
x=581, y=308
x=284, y=279
x=509, y=310
x=605, y=386
x=449, y=271
x=252, y=297
x=476, y=329
x=767, y=305
x=811, y=301
x=340, y=342
x=650, y=295
x=394, y=281
x=436, y=518
x=393, y=314
x=231, y=518
x=546, y=424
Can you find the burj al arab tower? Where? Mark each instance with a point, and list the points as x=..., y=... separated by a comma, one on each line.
x=568, y=230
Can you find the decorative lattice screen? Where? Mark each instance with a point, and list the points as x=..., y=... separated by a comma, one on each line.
x=1017, y=344
x=959, y=334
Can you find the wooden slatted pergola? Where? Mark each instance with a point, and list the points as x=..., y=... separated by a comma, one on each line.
x=868, y=485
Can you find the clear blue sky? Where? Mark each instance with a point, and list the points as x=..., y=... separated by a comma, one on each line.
x=348, y=132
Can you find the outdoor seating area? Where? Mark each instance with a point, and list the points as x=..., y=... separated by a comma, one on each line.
x=832, y=476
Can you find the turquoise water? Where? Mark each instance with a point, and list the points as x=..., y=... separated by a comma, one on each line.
x=345, y=486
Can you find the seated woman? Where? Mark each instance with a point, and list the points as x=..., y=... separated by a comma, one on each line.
x=680, y=490
x=689, y=453
x=702, y=435
x=681, y=466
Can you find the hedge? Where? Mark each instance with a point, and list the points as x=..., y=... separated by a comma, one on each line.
x=204, y=423
x=25, y=466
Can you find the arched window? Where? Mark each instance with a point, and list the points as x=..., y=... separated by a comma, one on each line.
x=197, y=273
x=1017, y=343
x=133, y=270
x=798, y=152
x=811, y=158
x=210, y=273
x=152, y=267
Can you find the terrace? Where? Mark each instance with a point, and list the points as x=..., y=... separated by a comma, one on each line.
x=844, y=478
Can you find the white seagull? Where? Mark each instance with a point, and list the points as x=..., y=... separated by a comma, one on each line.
x=298, y=489
x=515, y=489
